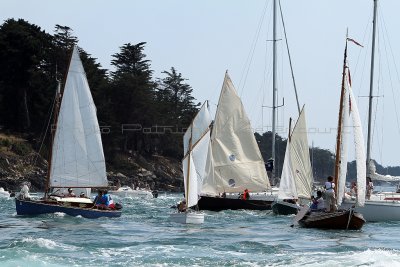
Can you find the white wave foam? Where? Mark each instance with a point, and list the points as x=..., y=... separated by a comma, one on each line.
x=48, y=244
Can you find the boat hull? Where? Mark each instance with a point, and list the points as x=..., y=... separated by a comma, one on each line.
x=284, y=208
x=377, y=211
x=37, y=207
x=343, y=219
x=219, y=203
x=188, y=217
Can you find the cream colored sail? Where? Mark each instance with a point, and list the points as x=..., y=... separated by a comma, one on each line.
x=297, y=177
x=235, y=162
x=77, y=155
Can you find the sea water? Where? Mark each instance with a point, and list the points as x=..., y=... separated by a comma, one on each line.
x=144, y=236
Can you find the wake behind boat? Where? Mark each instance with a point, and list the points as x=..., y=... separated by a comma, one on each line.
x=76, y=159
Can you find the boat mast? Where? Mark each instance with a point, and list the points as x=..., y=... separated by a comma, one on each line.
x=339, y=129
x=57, y=106
x=274, y=89
x=371, y=87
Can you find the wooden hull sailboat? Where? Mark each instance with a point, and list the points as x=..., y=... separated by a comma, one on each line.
x=343, y=219
x=77, y=157
x=340, y=220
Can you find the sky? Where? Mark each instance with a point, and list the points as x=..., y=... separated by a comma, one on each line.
x=203, y=39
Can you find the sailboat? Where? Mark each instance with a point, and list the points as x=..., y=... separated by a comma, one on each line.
x=234, y=161
x=196, y=142
x=379, y=207
x=77, y=158
x=343, y=219
x=297, y=178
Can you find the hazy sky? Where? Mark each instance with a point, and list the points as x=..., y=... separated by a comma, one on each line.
x=202, y=39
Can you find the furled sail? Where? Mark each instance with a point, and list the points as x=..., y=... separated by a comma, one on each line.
x=196, y=144
x=343, y=145
x=235, y=161
x=77, y=153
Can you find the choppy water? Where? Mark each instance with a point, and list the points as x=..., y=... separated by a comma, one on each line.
x=144, y=236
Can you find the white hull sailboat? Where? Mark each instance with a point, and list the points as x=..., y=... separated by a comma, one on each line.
x=383, y=207
x=196, y=142
x=77, y=157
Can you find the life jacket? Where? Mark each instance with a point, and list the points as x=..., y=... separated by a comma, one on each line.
x=245, y=195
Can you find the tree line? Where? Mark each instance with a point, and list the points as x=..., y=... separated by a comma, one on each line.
x=137, y=112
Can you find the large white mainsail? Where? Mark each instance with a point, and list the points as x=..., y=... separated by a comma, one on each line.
x=235, y=162
x=297, y=176
x=77, y=153
x=196, y=144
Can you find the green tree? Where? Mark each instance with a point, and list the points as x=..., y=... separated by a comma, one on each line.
x=132, y=97
x=25, y=76
x=176, y=109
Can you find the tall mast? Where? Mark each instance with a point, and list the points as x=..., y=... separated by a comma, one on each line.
x=274, y=89
x=339, y=129
x=371, y=87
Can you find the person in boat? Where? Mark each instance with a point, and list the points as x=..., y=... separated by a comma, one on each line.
x=107, y=201
x=318, y=203
x=98, y=199
x=330, y=195
x=82, y=195
x=370, y=188
x=182, y=206
x=245, y=195
x=70, y=193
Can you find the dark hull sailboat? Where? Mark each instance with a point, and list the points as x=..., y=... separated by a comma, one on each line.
x=284, y=208
x=341, y=219
x=86, y=210
x=220, y=203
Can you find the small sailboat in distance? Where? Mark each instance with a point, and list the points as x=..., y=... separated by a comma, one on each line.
x=77, y=157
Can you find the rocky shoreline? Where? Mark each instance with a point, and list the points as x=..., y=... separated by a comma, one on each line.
x=25, y=165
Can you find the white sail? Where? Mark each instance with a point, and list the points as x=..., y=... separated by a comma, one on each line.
x=300, y=157
x=237, y=163
x=190, y=181
x=359, y=151
x=198, y=127
x=196, y=144
x=296, y=179
x=77, y=153
x=343, y=145
x=287, y=184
